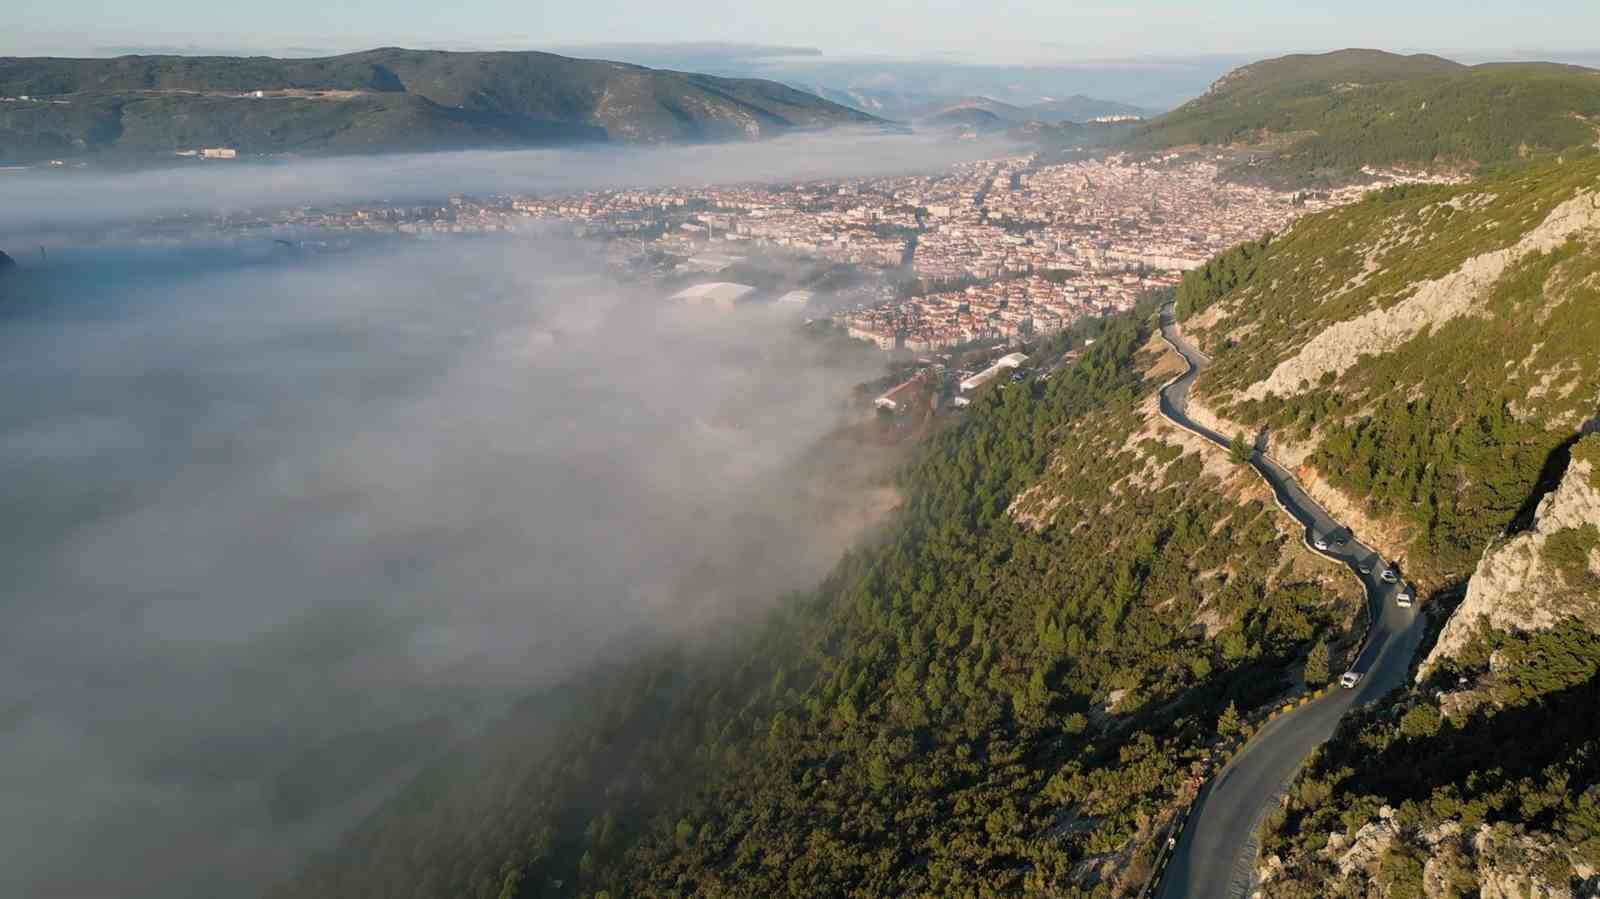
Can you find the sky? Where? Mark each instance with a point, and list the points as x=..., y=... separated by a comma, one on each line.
x=1014, y=31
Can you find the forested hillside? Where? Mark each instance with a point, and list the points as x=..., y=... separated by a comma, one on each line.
x=1007, y=694
x=1324, y=117
x=1480, y=783
x=1430, y=359
x=1482, y=779
x=1481, y=299
x=379, y=100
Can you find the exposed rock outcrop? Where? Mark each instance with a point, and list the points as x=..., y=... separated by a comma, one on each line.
x=1433, y=303
x=1503, y=861
x=1362, y=852
x=1516, y=585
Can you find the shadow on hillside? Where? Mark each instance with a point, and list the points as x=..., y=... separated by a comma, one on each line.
x=1519, y=742
x=1555, y=467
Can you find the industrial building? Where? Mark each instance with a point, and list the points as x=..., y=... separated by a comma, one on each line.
x=900, y=397
x=1005, y=363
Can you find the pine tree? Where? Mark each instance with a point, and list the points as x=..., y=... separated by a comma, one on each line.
x=1239, y=450
x=1317, y=664
x=1228, y=722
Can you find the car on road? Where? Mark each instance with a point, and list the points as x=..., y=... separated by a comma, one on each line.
x=1365, y=567
x=1321, y=544
x=1390, y=576
x=1403, y=598
x=1341, y=539
x=1350, y=679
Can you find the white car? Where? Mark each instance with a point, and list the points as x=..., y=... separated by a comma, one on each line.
x=1389, y=577
x=1321, y=544
x=1350, y=679
x=1403, y=599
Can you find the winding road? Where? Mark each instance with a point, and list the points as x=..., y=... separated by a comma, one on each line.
x=1215, y=855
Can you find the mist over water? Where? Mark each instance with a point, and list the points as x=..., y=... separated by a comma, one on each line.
x=279, y=526
x=39, y=204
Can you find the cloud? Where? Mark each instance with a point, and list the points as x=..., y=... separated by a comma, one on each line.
x=285, y=524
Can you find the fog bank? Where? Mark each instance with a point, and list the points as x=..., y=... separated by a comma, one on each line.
x=38, y=200
x=282, y=524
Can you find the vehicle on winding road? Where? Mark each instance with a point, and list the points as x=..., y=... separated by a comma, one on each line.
x=1321, y=544
x=1390, y=576
x=1216, y=848
x=1403, y=598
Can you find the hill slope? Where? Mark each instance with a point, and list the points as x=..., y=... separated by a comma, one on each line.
x=388, y=99
x=1479, y=298
x=1331, y=114
x=1428, y=358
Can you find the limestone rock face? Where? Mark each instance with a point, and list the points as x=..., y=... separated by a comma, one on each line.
x=1503, y=861
x=1367, y=846
x=1434, y=303
x=1515, y=587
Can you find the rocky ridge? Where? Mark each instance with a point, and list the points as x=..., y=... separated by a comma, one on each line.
x=1517, y=585
x=1433, y=303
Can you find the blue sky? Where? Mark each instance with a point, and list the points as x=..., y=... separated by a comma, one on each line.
x=966, y=30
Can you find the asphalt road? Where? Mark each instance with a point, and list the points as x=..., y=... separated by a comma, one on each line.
x=1216, y=853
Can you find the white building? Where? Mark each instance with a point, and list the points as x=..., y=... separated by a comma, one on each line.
x=1003, y=364
x=722, y=294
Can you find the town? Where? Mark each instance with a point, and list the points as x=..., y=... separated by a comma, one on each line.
x=999, y=251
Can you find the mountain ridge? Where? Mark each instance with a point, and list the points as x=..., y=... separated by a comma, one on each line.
x=376, y=100
x=1309, y=118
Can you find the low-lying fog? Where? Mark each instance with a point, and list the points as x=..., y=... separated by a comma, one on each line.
x=33, y=204
x=279, y=524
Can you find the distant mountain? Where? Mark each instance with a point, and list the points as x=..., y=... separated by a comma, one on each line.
x=1333, y=113
x=947, y=106
x=713, y=57
x=971, y=118
x=1076, y=108
x=379, y=100
x=899, y=104
x=1079, y=108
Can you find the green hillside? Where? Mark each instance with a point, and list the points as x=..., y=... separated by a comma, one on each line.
x=1329, y=115
x=378, y=100
x=1312, y=332
x=1432, y=356
x=1480, y=779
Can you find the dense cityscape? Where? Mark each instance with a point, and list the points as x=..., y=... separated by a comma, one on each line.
x=998, y=250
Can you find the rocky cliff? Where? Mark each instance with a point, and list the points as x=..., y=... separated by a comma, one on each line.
x=1540, y=576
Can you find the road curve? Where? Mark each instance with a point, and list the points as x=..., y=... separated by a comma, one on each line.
x=1215, y=855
